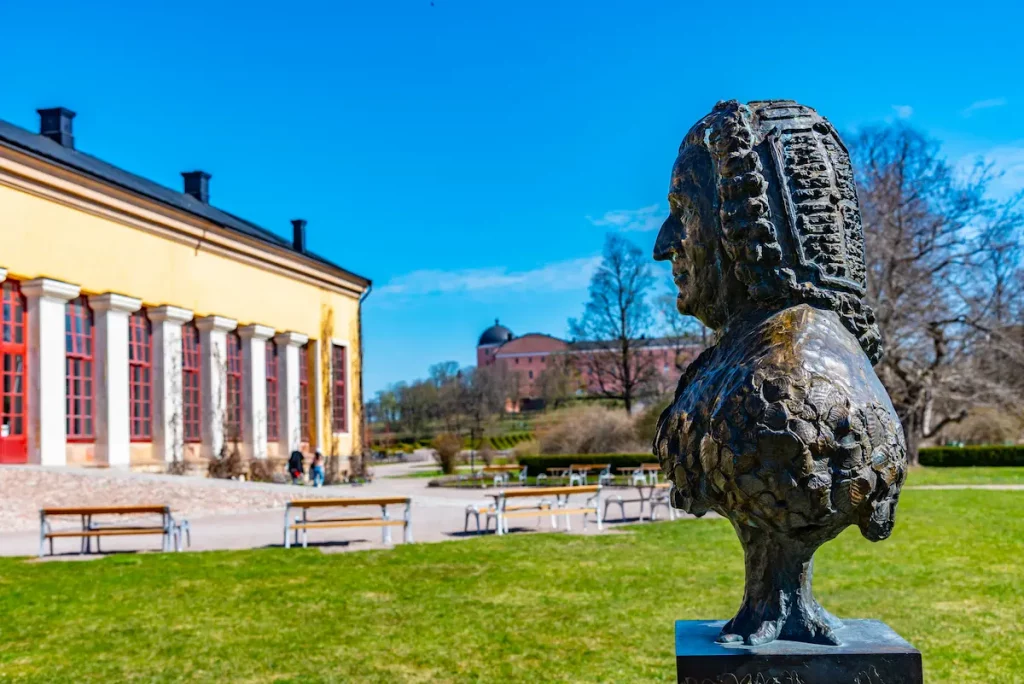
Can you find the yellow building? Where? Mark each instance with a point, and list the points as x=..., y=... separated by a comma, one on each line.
x=142, y=325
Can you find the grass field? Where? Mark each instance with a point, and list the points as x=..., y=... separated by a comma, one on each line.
x=533, y=608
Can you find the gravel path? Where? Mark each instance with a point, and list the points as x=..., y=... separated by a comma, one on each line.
x=26, y=489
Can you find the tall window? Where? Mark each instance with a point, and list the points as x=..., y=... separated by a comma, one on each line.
x=190, y=391
x=13, y=352
x=304, y=394
x=233, y=416
x=340, y=422
x=271, y=391
x=140, y=377
x=78, y=338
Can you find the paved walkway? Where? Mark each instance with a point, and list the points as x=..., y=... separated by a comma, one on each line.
x=227, y=514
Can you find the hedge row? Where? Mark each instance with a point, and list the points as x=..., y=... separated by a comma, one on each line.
x=984, y=455
x=538, y=464
x=508, y=441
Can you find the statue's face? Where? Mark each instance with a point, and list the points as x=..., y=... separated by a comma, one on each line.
x=689, y=238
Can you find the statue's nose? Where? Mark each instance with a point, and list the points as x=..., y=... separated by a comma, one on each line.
x=669, y=237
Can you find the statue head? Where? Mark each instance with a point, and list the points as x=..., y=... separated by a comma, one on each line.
x=764, y=215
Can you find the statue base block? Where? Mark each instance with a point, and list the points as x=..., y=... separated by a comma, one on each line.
x=870, y=653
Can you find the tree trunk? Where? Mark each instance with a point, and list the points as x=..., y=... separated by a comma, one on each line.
x=777, y=599
x=912, y=432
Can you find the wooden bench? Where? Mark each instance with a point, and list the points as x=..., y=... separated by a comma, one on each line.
x=384, y=521
x=169, y=529
x=560, y=497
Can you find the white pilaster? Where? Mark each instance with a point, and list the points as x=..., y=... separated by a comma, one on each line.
x=47, y=433
x=289, y=412
x=213, y=338
x=113, y=436
x=254, y=388
x=168, y=406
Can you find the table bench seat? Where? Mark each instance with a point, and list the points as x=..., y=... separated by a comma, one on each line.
x=105, y=532
x=321, y=525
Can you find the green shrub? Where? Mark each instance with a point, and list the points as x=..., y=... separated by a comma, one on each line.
x=539, y=464
x=981, y=455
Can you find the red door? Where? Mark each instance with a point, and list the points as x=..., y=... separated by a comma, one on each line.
x=13, y=357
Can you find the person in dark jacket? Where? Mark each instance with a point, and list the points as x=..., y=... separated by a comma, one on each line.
x=295, y=468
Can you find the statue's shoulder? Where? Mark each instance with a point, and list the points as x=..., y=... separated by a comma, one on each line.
x=811, y=346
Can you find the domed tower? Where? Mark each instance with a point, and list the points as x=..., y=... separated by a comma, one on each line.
x=490, y=340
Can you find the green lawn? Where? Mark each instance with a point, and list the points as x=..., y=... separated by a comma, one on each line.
x=530, y=607
x=942, y=476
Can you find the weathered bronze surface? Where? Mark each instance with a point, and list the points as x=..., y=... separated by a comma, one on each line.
x=782, y=425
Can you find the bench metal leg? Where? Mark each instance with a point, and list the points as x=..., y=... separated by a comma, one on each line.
x=287, y=512
x=617, y=500
x=407, y=528
x=386, y=529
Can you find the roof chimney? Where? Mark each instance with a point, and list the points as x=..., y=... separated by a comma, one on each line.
x=197, y=184
x=55, y=124
x=299, y=235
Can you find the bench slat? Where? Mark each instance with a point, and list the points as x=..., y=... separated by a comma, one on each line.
x=327, y=503
x=104, y=510
x=324, y=525
x=545, y=491
x=105, y=533
x=553, y=511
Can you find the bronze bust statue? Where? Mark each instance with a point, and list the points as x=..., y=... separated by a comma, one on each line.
x=782, y=425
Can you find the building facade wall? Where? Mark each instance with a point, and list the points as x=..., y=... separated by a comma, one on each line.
x=105, y=241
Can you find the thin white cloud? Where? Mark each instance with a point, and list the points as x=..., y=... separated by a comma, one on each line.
x=573, y=274
x=984, y=104
x=644, y=219
x=903, y=111
x=1007, y=162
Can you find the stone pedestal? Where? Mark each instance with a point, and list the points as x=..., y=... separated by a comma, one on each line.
x=871, y=653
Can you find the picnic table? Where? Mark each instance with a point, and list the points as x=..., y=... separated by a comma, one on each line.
x=168, y=528
x=649, y=472
x=384, y=521
x=653, y=495
x=554, y=501
x=502, y=473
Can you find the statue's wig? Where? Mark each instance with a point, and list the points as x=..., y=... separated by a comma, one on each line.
x=787, y=205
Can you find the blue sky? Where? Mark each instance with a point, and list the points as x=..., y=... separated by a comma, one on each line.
x=469, y=155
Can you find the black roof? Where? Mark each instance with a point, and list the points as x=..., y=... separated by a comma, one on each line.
x=41, y=146
x=496, y=334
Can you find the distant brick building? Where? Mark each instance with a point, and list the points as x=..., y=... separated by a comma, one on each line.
x=531, y=354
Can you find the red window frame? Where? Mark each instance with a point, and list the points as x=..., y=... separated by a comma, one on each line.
x=14, y=371
x=79, y=371
x=304, y=394
x=191, y=387
x=272, y=388
x=233, y=374
x=140, y=377
x=339, y=410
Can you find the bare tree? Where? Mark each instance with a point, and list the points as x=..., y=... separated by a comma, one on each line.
x=934, y=241
x=616, y=324
x=559, y=381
